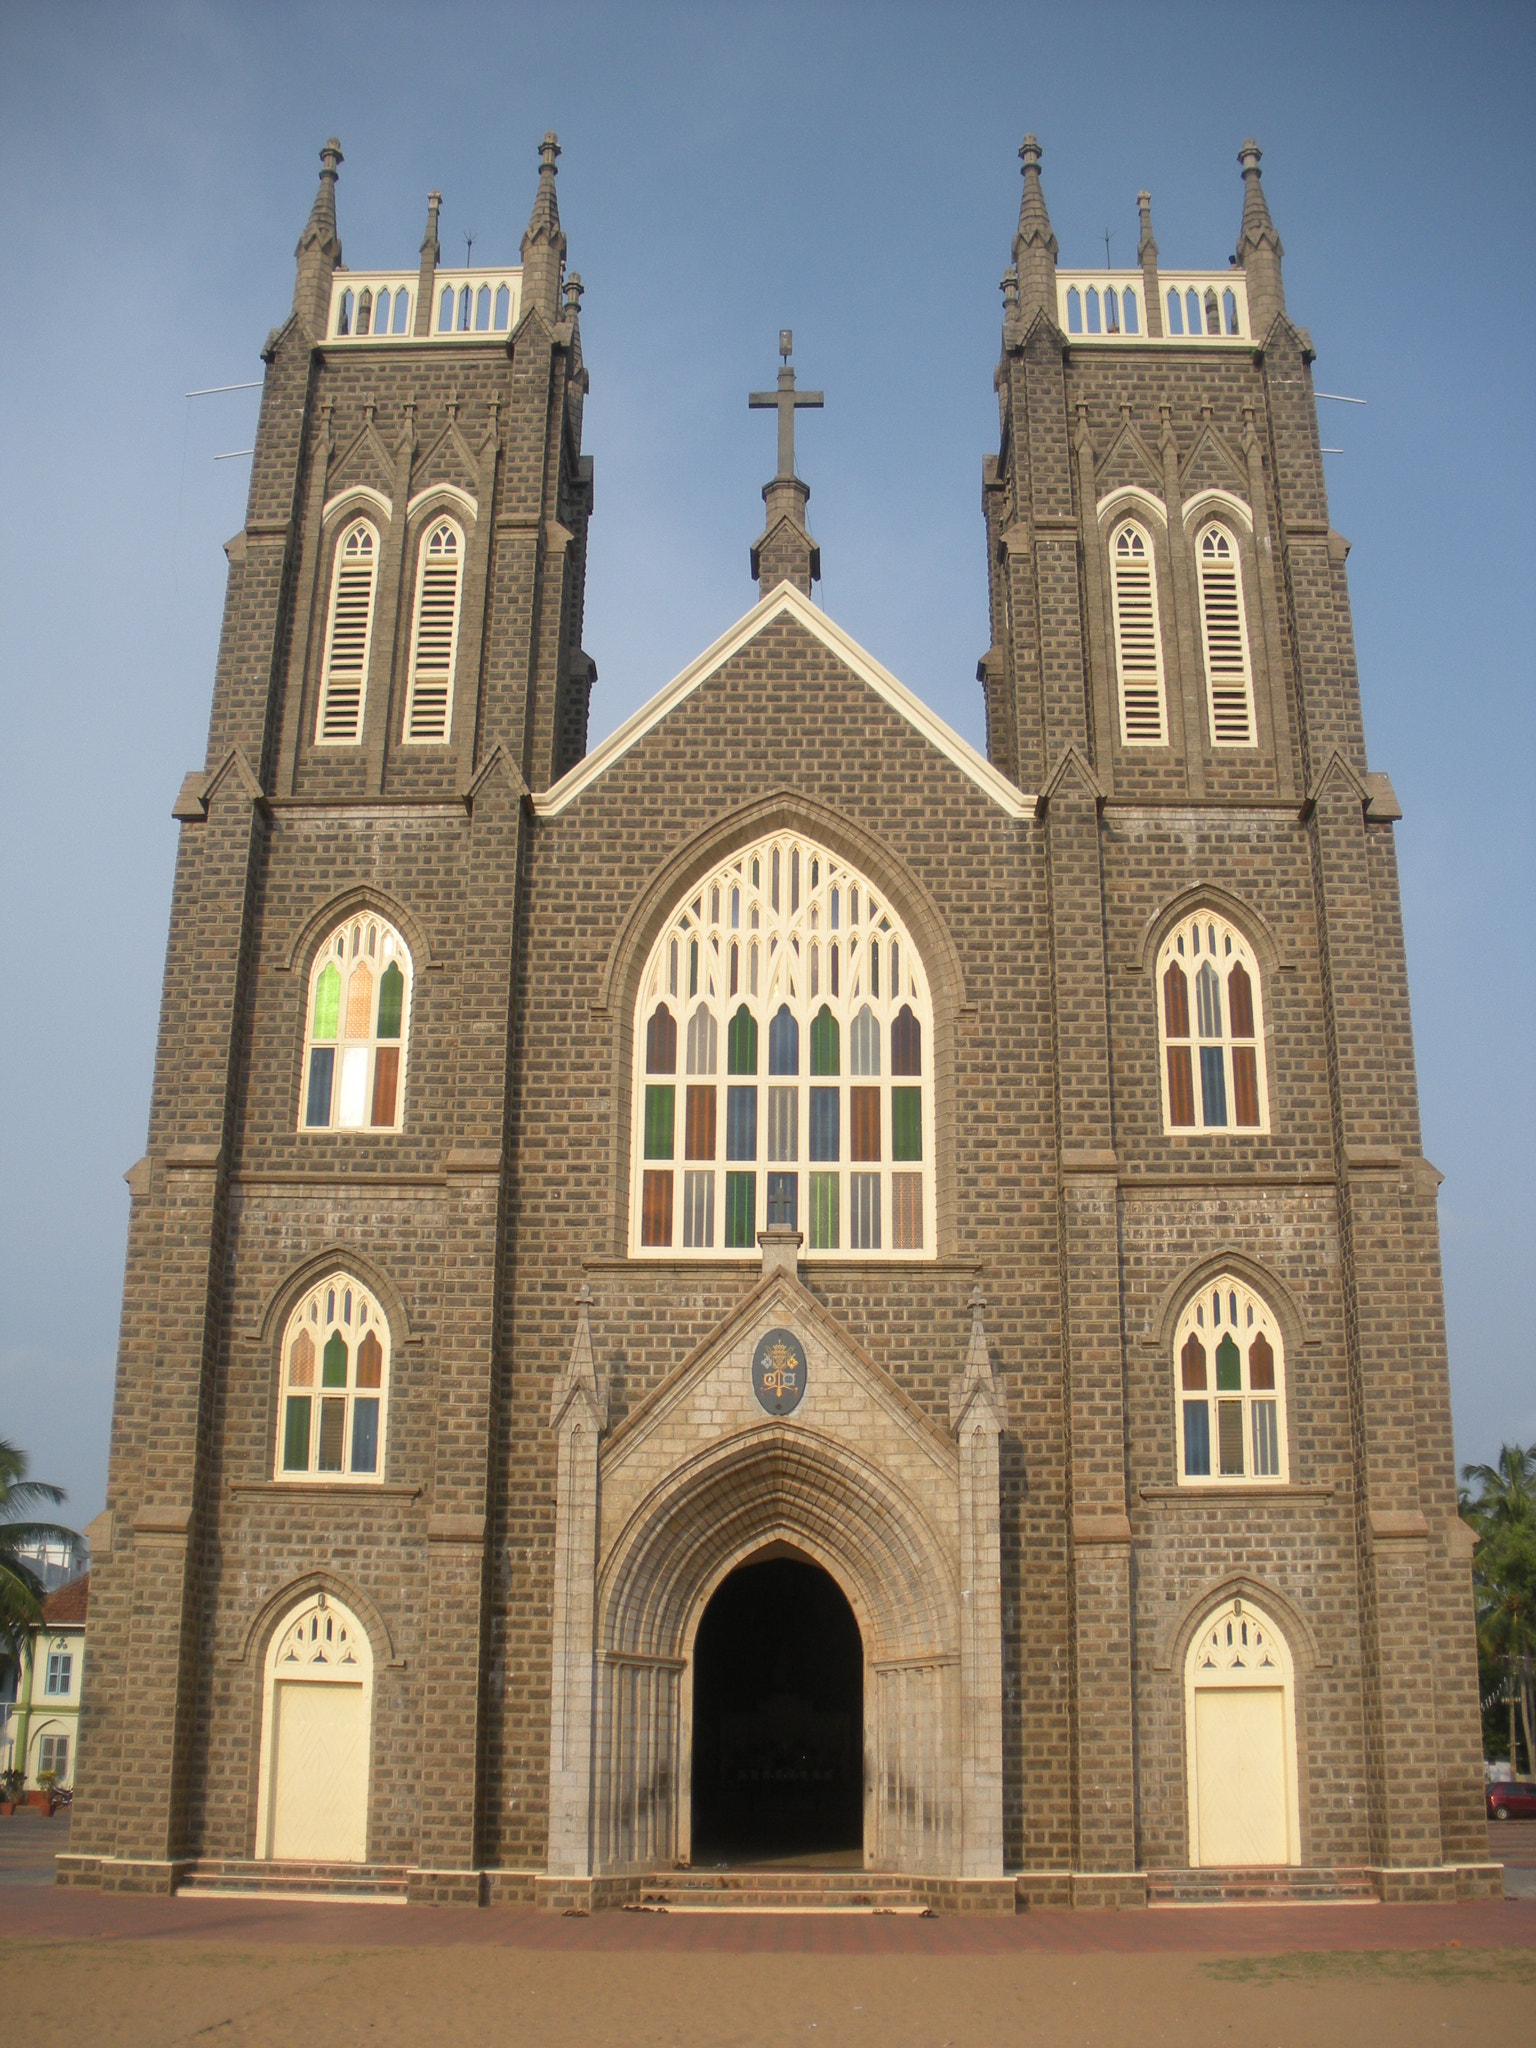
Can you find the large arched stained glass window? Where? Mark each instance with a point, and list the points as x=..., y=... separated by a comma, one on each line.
x=1211, y=1025
x=1229, y=1381
x=335, y=1390
x=357, y=1029
x=783, y=1066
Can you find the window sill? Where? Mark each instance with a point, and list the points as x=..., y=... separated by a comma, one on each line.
x=331, y=1489
x=1238, y=1489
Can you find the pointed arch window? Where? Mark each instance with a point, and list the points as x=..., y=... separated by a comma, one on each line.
x=1224, y=637
x=1138, y=639
x=357, y=1029
x=335, y=1385
x=1211, y=1028
x=1229, y=1388
x=435, y=633
x=348, y=638
x=798, y=978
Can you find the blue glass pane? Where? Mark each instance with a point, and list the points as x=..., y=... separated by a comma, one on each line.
x=1213, y=1086
x=365, y=1436
x=784, y=1043
x=322, y=1066
x=824, y=1123
x=1197, y=1439
x=741, y=1123
x=784, y=1199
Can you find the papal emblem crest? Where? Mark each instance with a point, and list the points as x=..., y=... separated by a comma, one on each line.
x=779, y=1372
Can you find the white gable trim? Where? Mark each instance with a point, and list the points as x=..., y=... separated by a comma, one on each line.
x=787, y=599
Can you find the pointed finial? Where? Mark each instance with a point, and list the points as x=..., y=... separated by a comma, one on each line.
x=974, y=1386
x=573, y=291
x=544, y=241
x=429, y=239
x=978, y=1302
x=318, y=254
x=1010, y=291
x=1034, y=246
x=1258, y=246
x=1146, y=241
x=431, y=255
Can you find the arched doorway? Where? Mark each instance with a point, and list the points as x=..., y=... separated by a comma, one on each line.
x=1240, y=1716
x=778, y=1719
x=312, y=1804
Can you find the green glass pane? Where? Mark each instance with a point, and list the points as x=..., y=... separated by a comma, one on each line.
x=327, y=1001
x=906, y=1123
x=391, y=1000
x=1229, y=1367
x=825, y=1049
x=296, y=1434
x=333, y=1371
x=741, y=1043
x=741, y=1209
x=824, y=1212
x=659, y=1105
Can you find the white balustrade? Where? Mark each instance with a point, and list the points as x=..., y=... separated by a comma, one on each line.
x=380, y=305
x=1110, y=305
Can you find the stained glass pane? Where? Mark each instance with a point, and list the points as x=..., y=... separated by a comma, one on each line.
x=864, y=1211
x=656, y=1209
x=698, y=1210
x=864, y=1043
x=352, y=1102
x=784, y=1199
x=1208, y=1001
x=360, y=1002
x=1229, y=1429
x=741, y=1043
x=1175, y=1001
x=906, y=1123
x=741, y=1123
x=1240, y=1002
x=301, y=1361
x=1181, y=1087
x=864, y=1123
x=1261, y=1364
x=659, y=1107
x=703, y=1042
x=825, y=1049
x=783, y=1043
x=824, y=1212
x=783, y=1124
x=296, y=1434
x=661, y=1043
x=333, y=1361
x=1266, y=1440
x=365, y=1436
x=1197, y=1440
x=906, y=1040
x=1229, y=1366
x=370, y=1362
x=386, y=1085
x=1213, y=1086
x=1245, y=1086
x=1192, y=1364
x=391, y=1000
x=740, y=1210
x=907, y=1212
x=333, y=1429
x=824, y=1132
x=327, y=1001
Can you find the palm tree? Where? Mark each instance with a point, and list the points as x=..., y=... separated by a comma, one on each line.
x=21, y=1590
x=1503, y=1512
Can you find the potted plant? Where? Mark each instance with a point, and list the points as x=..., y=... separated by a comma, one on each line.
x=42, y=1798
x=11, y=1784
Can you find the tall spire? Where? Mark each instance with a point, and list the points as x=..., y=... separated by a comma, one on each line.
x=1034, y=246
x=1258, y=246
x=319, y=251
x=1146, y=256
x=544, y=242
x=784, y=549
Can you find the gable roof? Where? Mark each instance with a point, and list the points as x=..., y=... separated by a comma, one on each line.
x=783, y=601
x=67, y=1604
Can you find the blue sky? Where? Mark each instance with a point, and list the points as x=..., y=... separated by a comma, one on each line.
x=847, y=170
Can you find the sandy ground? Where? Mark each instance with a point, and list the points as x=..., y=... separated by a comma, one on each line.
x=150, y=1995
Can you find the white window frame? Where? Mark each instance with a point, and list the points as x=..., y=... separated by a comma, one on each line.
x=341, y=1305
x=63, y=1657
x=425, y=682
x=1208, y=1316
x=1224, y=641
x=1144, y=722
x=784, y=936
x=367, y=940
x=1198, y=937
x=336, y=683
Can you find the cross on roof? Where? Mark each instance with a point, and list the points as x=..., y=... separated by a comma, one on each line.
x=785, y=400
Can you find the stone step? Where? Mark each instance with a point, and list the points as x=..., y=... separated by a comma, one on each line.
x=805, y=1891
x=230, y=1877
x=1252, y=1886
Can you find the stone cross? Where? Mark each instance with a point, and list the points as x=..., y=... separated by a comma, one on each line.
x=786, y=399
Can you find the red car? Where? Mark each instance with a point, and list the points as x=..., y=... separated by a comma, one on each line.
x=1512, y=1799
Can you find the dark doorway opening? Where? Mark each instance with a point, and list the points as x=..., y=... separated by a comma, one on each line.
x=778, y=1720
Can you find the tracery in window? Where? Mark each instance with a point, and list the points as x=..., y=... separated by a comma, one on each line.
x=792, y=996
x=348, y=637
x=357, y=1029
x=1229, y=1388
x=1138, y=639
x=1224, y=636
x=335, y=1385
x=435, y=633
x=1210, y=1028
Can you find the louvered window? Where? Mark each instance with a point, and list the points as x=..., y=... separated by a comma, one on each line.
x=1138, y=641
x=349, y=632
x=1229, y=681
x=429, y=694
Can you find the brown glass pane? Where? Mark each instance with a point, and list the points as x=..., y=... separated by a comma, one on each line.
x=1181, y=1086
x=386, y=1083
x=1175, y=1001
x=1229, y=1429
x=333, y=1424
x=699, y=1127
x=360, y=1002
x=906, y=1042
x=1261, y=1364
x=1240, y=1003
x=370, y=1362
x=1245, y=1086
x=907, y=1212
x=864, y=1123
x=661, y=1043
x=656, y=1209
x=301, y=1363
x=1192, y=1360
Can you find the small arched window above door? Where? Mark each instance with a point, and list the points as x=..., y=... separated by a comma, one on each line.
x=1229, y=1388
x=333, y=1409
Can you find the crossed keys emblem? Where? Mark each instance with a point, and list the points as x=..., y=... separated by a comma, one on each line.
x=779, y=1372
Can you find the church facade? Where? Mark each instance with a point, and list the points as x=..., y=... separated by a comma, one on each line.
x=779, y=1296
